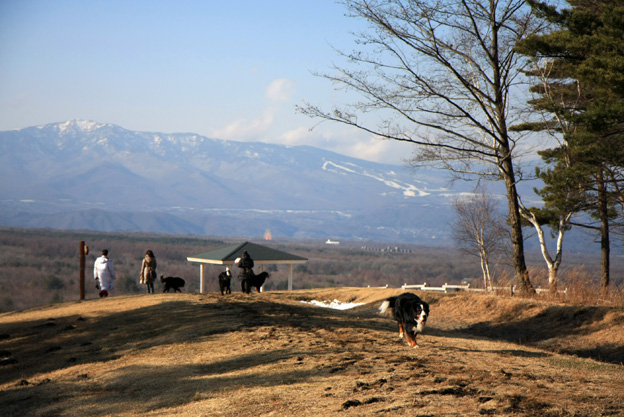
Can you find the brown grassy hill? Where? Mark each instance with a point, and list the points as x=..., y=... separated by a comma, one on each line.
x=270, y=354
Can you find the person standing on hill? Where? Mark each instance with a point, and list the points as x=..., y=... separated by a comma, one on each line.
x=148, y=271
x=104, y=272
x=246, y=264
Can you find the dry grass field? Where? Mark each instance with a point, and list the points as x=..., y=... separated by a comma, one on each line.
x=269, y=354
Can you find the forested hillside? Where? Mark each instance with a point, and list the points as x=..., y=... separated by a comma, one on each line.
x=42, y=266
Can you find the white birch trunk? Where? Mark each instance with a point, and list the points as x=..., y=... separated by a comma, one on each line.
x=553, y=265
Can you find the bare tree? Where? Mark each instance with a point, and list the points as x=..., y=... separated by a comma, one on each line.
x=439, y=75
x=479, y=230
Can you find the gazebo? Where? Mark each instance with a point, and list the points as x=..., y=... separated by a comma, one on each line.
x=260, y=254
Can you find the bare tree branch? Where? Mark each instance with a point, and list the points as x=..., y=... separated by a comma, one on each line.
x=441, y=74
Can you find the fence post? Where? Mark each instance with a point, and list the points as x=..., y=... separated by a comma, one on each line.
x=83, y=251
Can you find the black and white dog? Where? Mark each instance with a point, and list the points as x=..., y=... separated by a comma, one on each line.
x=254, y=281
x=174, y=283
x=410, y=312
x=225, y=278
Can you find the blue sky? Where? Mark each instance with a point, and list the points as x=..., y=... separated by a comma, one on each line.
x=223, y=69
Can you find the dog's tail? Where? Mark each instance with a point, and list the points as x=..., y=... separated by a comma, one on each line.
x=384, y=307
x=388, y=303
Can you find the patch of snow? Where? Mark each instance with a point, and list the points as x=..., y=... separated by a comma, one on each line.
x=328, y=163
x=102, y=141
x=88, y=125
x=335, y=304
x=83, y=125
x=409, y=190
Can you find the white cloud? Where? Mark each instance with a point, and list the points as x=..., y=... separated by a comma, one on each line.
x=334, y=137
x=299, y=136
x=244, y=128
x=349, y=141
x=247, y=129
x=280, y=90
x=378, y=150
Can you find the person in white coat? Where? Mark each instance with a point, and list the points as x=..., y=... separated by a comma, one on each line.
x=104, y=272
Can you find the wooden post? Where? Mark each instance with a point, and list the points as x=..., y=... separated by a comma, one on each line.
x=290, y=277
x=82, y=270
x=201, y=278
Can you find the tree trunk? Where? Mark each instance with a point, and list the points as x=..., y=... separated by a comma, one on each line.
x=484, y=272
x=552, y=278
x=517, y=240
x=485, y=267
x=553, y=265
x=605, y=248
x=489, y=285
x=507, y=170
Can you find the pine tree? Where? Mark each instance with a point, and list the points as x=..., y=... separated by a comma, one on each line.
x=581, y=71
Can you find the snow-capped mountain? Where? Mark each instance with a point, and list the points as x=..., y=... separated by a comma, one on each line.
x=88, y=175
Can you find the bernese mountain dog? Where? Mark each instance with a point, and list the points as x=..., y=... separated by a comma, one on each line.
x=410, y=312
x=254, y=281
x=225, y=279
x=174, y=283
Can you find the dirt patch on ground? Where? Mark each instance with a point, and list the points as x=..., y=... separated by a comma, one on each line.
x=272, y=354
x=587, y=331
x=595, y=332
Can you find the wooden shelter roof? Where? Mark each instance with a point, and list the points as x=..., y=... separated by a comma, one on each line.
x=260, y=254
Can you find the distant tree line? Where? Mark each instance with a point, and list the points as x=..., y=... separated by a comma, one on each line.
x=42, y=266
x=38, y=267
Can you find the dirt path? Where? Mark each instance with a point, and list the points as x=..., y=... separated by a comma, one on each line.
x=270, y=354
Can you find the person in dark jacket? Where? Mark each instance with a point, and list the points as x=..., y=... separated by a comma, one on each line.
x=246, y=264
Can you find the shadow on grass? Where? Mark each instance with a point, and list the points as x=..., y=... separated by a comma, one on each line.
x=46, y=345
x=40, y=347
x=555, y=322
x=140, y=388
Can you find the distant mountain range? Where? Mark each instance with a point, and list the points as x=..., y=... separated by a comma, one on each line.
x=88, y=175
